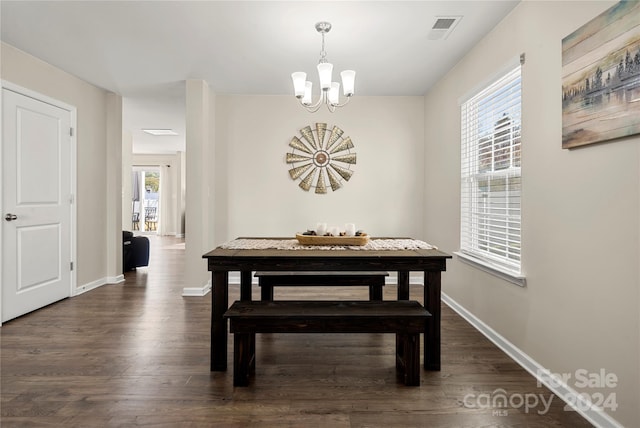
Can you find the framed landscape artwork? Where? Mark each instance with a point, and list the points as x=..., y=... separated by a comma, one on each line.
x=601, y=78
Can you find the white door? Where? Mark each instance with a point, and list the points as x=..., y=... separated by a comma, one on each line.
x=36, y=204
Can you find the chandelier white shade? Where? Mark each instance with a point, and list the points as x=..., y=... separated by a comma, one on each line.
x=329, y=90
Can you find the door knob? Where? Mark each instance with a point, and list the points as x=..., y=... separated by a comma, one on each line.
x=10, y=217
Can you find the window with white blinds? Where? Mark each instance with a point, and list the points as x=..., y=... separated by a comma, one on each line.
x=491, y=177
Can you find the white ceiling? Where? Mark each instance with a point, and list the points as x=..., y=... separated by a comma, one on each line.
x=145, y=50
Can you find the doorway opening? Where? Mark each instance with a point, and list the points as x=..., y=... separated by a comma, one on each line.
x=145, y=195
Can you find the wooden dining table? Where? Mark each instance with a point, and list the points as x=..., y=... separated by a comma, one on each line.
x=224, y=259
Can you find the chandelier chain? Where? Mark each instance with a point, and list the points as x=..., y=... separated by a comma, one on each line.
x=323, y=52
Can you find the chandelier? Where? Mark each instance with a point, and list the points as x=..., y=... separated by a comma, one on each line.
x=329, y=91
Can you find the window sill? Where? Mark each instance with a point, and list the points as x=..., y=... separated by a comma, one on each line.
x=516, y=279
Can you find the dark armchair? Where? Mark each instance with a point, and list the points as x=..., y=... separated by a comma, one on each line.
x=135, y=251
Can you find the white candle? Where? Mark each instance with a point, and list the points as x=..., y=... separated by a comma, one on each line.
x=350, y=229
x=321, y=229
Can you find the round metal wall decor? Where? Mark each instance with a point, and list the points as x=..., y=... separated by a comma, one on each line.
x=315, y=161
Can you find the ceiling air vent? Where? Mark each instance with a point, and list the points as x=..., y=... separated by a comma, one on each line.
x=443, y=26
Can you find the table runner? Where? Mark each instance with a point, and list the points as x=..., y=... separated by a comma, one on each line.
x=293, y=244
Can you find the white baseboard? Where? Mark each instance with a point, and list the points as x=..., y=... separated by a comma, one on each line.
x=197, y=291
x=90, y=286
x=115, y=279
x=586, y=408
x=98, y=283
x=234, y=279
x=187, y=291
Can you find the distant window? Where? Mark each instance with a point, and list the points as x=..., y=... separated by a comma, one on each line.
x=491, y=175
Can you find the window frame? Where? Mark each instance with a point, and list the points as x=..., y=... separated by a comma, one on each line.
x=474, y=168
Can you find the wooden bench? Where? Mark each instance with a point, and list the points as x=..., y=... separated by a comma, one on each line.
x=406, y=318
x=268, y=280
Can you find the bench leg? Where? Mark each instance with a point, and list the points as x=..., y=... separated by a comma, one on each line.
x=400, y=350
x=242, y=357
x=375, y=288
x=252, y=361
x=411, y=359
x=400, y=339
x=266, y=290
x=266, y=293
x=375, y=292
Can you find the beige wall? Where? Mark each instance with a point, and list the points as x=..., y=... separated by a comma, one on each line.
x=91, y=103
x=580, y=217
x=256, y=197
x=198, y=219
x=127, y=157
x=113, y=193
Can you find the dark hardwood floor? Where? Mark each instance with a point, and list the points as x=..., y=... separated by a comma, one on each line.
x=137, y=354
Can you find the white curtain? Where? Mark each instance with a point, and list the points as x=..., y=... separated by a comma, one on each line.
x=165, y=217
x=136, y=191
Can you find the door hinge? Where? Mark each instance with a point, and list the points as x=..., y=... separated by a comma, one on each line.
x=71, y=199
x=71, y=266
x=71, y=132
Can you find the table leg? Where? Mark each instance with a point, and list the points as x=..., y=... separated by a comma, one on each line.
x=219, y=305
x=403, y=285
x=245, y=285
x=432, y=350
x=403, y=294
